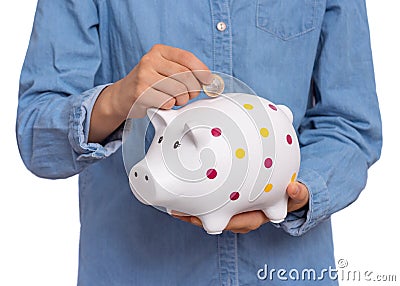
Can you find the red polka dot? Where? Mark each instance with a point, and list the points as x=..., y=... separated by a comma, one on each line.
x=289, y=139
x=216, y=132
x=268, y=163
x=234, y=196
x=273, y=107
x=211, y=174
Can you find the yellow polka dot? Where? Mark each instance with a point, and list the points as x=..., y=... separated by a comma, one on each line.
x=240, y=153
x=264, y=132
x=268, y=188
x=248, y=106
x=293, y=177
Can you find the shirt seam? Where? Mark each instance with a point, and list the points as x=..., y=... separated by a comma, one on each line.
x=236, y=261
x=213, y=33
x=230, y=38
x=219, y=260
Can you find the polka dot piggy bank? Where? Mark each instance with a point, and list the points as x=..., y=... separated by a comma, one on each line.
x=218, y=157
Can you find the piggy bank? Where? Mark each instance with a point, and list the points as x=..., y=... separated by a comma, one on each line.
x=218, y=157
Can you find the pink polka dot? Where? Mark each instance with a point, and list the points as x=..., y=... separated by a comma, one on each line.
x=234, y=196
x=216, y=132
x=211, y=174
x=273, y=107
x=268, y=163
x=289, y=139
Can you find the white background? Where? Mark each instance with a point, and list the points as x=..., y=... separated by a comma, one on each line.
x=39, y=219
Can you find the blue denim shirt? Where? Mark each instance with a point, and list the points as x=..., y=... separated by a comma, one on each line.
x=311, y=55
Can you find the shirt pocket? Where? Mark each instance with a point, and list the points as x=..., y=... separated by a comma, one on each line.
x=286, y=19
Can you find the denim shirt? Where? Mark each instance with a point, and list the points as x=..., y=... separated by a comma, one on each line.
x=311, y=55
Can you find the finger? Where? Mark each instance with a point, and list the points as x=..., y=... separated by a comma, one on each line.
x=173, y=88
x=154, y=98
x=181, y=74
x=190, y=219
x=298, y=196
x=297, y=192
x=174, y=66
x=204, y=76
x=177, y=213
x=170, y=86
x=196, y=221
x=247, y=220
x=188, y=60
x=189, y=80
x=178, y=87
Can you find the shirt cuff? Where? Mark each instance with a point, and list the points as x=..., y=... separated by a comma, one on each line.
x=299, y=222
x=79, y=129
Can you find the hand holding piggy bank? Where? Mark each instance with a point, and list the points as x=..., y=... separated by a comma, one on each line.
x=218, y=157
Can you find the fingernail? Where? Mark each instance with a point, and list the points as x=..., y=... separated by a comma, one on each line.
x=210, y=78
x=296, y=191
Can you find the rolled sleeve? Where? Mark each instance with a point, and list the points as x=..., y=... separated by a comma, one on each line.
x=79, y=130
x=299, y=222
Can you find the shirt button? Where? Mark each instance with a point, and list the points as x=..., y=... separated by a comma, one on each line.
x=221, y=26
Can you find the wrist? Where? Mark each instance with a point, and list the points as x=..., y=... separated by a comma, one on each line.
x=106, y=115
x=112, y=103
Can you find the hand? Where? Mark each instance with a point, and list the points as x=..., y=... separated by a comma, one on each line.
x=164, y=77
x=248, y=221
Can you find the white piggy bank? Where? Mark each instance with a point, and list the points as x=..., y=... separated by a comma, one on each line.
x=218, y=157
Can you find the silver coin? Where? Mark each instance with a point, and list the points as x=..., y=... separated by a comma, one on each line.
x=216, y=87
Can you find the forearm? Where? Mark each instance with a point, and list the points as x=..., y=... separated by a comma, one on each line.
x=105, y=117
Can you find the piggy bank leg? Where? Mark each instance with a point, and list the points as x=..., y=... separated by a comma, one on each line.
x=215, y=223
x=277, y=213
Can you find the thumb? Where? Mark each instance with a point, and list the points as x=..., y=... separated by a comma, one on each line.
x=298, y=194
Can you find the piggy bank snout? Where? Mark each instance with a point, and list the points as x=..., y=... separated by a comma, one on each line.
x=142, y=182
x=140, y=174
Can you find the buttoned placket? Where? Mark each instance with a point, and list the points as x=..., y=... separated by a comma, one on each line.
x=222, y=62
x=222, y=36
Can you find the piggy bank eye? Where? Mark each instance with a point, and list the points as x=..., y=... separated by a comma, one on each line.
x=160, y=139
x=177, y=144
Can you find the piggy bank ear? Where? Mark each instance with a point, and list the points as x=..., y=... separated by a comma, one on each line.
x=193, y=130
x=159, y=117
x=287, y=112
